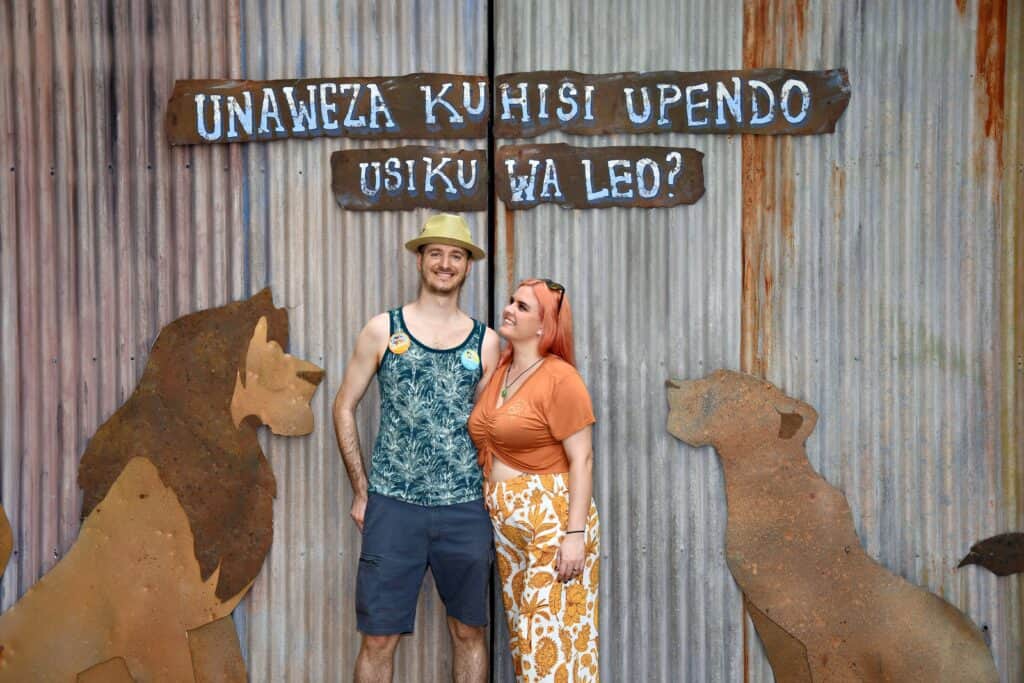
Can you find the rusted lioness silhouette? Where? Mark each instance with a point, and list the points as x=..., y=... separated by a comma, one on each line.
x=825, y=609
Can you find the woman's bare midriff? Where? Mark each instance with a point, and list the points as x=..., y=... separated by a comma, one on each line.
x=502, y=472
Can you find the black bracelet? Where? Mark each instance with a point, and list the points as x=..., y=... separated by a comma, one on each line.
x=576, y=531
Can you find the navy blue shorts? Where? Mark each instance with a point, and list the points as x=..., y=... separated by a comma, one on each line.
x=400, y=540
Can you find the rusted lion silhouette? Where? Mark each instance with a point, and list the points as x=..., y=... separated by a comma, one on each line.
x=177, y=508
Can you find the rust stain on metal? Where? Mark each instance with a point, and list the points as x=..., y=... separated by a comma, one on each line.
x=756, y=305
x=1002, y=555
x=510, y=249
x=763, y=101
x=113, y=670
x=838, y=193
x=421, y=105
x=598, y=177
x=990, y=62
x=792, y=547
x=758, y=33
x=216, y=653
x=402, y=178
x=794, y=14
x=772, y=34
x=961, y=7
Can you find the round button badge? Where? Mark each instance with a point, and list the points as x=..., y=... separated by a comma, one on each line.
x=399, y=343
x=470, y=359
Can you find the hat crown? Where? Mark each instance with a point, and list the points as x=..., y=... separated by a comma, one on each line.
x=447, y=225
x=447, y=228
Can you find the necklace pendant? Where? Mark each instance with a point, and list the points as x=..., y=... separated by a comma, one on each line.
x=504, y=393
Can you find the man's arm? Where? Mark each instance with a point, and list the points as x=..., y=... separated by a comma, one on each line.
x=490, y=350
x=358, y=374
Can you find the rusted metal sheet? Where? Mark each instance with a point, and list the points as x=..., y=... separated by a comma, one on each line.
x=421, y=105
x=180, y=418
x=6, y=540
x=598, y=177
x=794, y=551
x=655, y=292
x=216, y=654
x=113, y=670
x=787, y=655
x=1002, y=555
x=759, y=102
x=129, y=233
x=178, y=503
x=402, y=178
x=129, y=587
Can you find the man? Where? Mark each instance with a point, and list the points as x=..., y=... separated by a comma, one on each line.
x=423, y=503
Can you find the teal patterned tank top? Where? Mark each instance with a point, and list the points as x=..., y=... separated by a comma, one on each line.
x=423, y=453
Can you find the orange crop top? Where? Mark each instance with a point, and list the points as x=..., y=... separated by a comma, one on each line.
x=526, y=432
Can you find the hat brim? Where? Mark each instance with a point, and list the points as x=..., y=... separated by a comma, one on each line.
x=475, y=252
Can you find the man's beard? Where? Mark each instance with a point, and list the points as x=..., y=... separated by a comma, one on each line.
x=453, y=286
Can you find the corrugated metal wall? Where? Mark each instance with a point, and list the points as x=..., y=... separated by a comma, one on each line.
x=107, y=234
x=876, y=272
x=861, y=271
x=337, y=269
x=877, y=280
x=655, y=293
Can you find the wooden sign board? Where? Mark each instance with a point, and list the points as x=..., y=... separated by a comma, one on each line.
x=598, y=177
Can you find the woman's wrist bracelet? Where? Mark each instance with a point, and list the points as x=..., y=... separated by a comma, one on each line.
x=576, y=531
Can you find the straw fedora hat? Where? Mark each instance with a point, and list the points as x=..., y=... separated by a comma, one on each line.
x=450, y=229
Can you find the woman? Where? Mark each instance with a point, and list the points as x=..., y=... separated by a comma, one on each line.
x=532, y=427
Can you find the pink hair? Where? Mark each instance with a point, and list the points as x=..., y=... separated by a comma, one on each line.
x=556, y=324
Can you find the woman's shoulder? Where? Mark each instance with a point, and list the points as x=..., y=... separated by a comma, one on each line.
x=559, y=369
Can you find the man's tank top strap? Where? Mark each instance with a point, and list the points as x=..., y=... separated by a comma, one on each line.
x=478, y=336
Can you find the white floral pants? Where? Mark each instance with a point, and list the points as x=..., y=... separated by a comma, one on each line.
x=552, y=625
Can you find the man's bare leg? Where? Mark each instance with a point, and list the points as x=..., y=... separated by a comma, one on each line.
x=376, y=660
x=469, y=652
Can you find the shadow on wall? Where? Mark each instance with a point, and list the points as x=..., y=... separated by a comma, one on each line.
x=177, y=500
x=824, y=609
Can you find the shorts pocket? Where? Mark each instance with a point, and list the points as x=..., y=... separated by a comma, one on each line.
x=367, y=582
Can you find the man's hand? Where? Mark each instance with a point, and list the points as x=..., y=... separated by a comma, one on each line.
x=358, y=512
x=369, y=346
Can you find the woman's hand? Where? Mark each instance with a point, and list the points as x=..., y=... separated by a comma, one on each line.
x=571, y=555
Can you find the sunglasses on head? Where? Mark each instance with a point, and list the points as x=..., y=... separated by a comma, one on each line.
x=556, y=287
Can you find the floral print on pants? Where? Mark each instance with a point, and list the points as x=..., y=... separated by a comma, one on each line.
x=552, y=625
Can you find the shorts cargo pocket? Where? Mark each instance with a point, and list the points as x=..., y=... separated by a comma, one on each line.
x=368, y=582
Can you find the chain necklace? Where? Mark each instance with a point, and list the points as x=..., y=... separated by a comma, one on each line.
x=504, y=391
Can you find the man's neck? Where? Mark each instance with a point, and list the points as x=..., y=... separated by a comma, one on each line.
x=435, y=306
